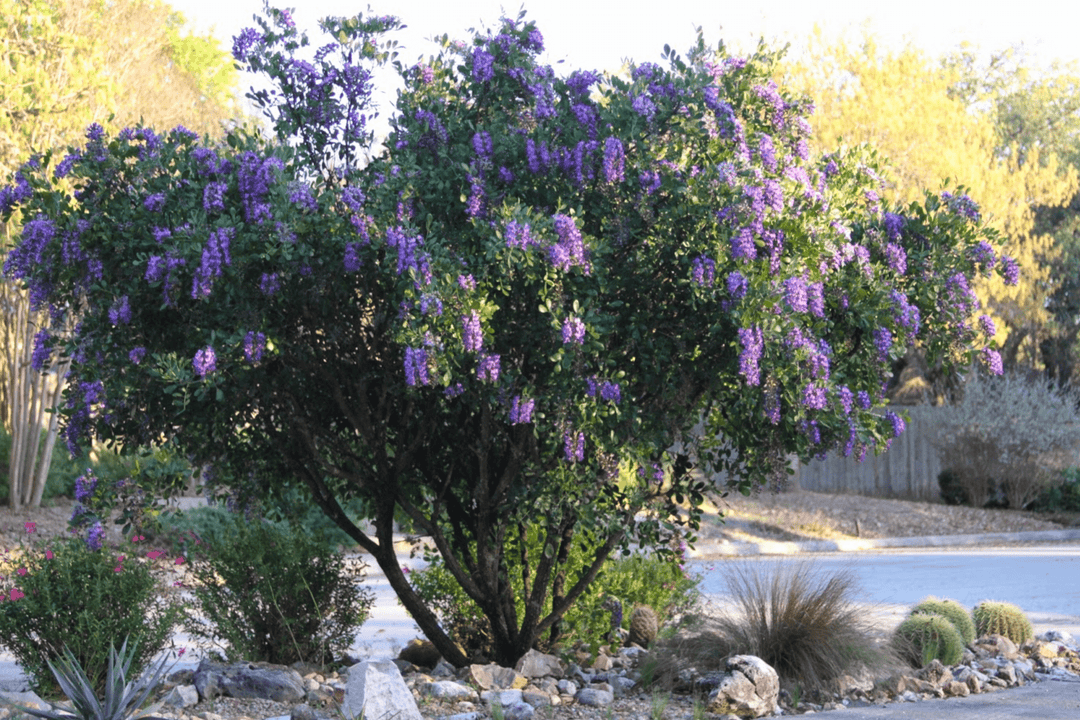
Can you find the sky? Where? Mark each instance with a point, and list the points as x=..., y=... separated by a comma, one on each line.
x=602, y=34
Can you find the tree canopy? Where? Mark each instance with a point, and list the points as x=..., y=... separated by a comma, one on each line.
x=553, y=307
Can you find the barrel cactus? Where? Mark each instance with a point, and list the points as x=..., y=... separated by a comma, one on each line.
x=1002, y=618
x=952, y=611
x=921, y=638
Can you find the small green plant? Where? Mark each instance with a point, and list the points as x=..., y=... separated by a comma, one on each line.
x=274, y=594
x=1063, y=496
x=922, y=638
x=121, y=699
x=658, y=705
x=952, y=611
x=76, y=593
x=1002, y=618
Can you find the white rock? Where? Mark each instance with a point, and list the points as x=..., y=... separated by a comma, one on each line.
x=502, y=697
x=376, y=691
x=447, y=690
x=594, y=697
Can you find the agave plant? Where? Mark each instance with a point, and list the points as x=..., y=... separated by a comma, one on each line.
x=122, y=699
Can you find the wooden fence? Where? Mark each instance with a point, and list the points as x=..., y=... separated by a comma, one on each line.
x=907, y=470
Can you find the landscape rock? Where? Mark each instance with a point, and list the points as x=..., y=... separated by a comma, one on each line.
x=593, y=697
x=750, y=688
x=263, y=681
x=490, y=677
x=182, y=696
x=376, y=691
x=505, y=697
x=535, y=664
x=936, y=673
x=448, y=690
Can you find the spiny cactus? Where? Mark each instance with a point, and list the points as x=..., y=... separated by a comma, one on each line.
x=921, y=638
x=1002, y=618
x=643, y=626
x=952, y=611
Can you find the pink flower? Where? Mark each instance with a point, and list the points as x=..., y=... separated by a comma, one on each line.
x=154, y=554
x=30, y=527
x=180, y=560
x=17, y=594
x=137, y=538
x=180, y=652
x=22, y=571
x=49, y=555
x=118, y=568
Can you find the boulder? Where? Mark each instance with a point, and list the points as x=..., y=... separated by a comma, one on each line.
x=182, y=696
x=643, y=626
x=593, y=697
x=447, y=690
x=749, y=688
x=535, y=664
x=250, y=680
x=490, y=677
x=376, y=691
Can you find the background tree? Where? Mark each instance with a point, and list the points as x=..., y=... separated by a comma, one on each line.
x=499, y=326
x=63, y=65
x=935, y=121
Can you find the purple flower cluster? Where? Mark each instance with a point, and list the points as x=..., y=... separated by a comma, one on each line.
x=489, y=368
x=982, y=254
x=574, y=446
x=1010, y=269
x=466, y=282
x=795, y=293
x=573, y=331
x=416, y=367
x=883, y=342
x=894, y=225
x=519, y=235
x=742, y=244
x=205, y=361
x=483, y=65
x=155, y=202
x=41, y=353
x=254, y=178
x=614, y=160
x=254, y=346
x=302, y=196
x=815, y=299
x=962, y=205
x=430, y=305
x=84, y=486
x=471, y=332
x=407, y=256
x=94, y=536
x=704, y=271
x=845, y=397
x=269, y=284
x=569, y=251
x=644, y=106
x=352, y=257
x=862, y=398
x=136, y=355
x=897, y=423
x=753, y=343
x=815, y=397
x=896, y=257
x=214, y=197
x=610, y=392
x=986, y=324
x=992, y=359
x=432, y=132
x=214, y=256
x=244, y=42
x=521, y=410
x=767, y=152
x=737, y=285
x=120, y=312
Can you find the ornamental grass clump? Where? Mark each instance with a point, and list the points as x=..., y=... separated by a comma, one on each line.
x=75, y=596
x=275, y=594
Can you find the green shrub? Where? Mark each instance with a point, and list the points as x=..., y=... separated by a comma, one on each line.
x=1061, y=497
x=60, y=481
x=922, y=638
x=65, y=594
x=635, y=580
x=952, y=611
x=803, y=622
x=1002, y=618
x=275, y=594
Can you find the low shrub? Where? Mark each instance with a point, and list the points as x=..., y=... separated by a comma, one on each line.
x=921, y=638
x=1002, y=618
x=67, y=593
x=1063, y=496
x=952, y=611
x=802, y=621
x=659, y=583
x=275, y=594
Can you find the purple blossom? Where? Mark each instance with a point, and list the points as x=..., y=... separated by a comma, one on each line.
x=94, y=536
x=205, y=361
x=84, y=486
x=352, y=257
x=894, y=225
x=155, y=203
x=795, y=293
x=416, y=366
x=962, y=205
x=773, y=195
x=466, y=282
x=845, y=397
x=573, y=331
x=992, y=359
x=614, y=160
x=737, y=285
x=489, y=367
x=1010, y=270
x=254, y=346
x=521, y=410
x=136, y=355
x=519, y=236
x=704, y=272
x=767, y=152
x=482, y=145
x=425, y=73
x=254, y=178
x=982, y=254
x=815, y=299
x=483, y=63
x=815, y=397
x=302, y=196
x=161, y=234
x=742, y=244
x=454, y=390
x=897, y=422
x=883, y=342
x=120, y=312
x=214, y=256
x=896, y=257
x=430, y=305
x=41, y=352
x=243, y=43
x=472, y=333
x=476, y=205
x=611, y=392
x=353, y=198
x=65, y=165
x=569, y=251
x=753, y=343
x=988, y=327
x=574, y=446
x=406, y=245
x=862, y=398
x=644, y=106
x=269, y=284
x=214, y=197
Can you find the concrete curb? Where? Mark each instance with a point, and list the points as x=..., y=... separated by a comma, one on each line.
x=775, y=547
